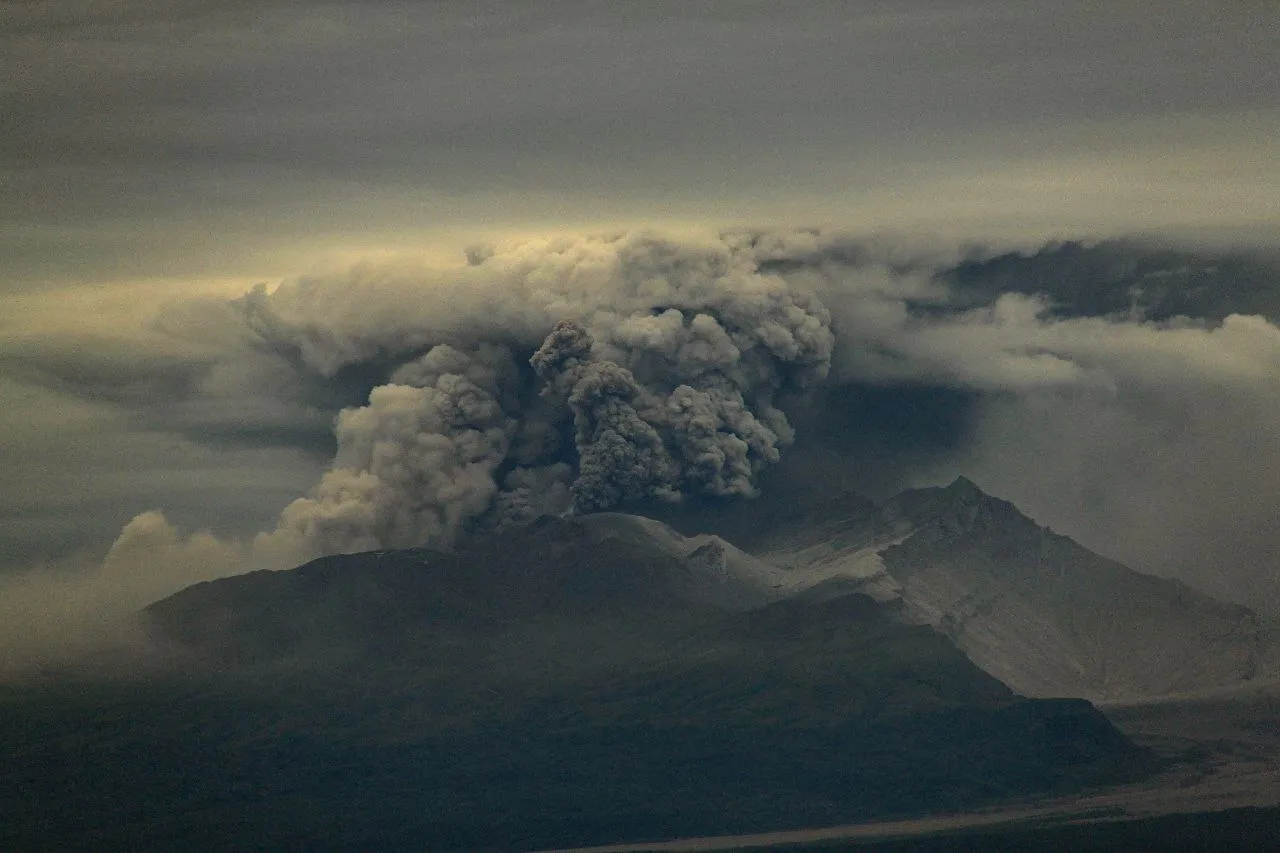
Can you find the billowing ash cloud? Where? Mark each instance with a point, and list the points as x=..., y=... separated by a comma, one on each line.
x=419, y=460
x=577, y=374
x=564, y=376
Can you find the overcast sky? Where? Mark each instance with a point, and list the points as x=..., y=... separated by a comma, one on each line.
x=213, y=140
x=158, y=158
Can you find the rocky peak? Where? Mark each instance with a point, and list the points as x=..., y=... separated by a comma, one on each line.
x=965, y=490
x=962, y=512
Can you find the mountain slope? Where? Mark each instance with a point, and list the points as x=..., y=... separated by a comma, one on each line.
x=1033, y=608
x=582, y=680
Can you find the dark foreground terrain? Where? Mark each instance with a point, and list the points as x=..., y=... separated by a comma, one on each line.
x=1219, y=791
x=163, y=768
x=567, y=686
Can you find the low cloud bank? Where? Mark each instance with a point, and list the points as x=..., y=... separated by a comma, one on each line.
x=54, y=615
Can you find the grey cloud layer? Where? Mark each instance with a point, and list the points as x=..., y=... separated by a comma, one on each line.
x=154, y=138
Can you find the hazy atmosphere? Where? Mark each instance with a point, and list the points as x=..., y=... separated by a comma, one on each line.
x=284, y=279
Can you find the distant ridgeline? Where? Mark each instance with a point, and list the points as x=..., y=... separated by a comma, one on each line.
x=1035, y=609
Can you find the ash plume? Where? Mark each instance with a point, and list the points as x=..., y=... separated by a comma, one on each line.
x=578, y=374
x=567, y=376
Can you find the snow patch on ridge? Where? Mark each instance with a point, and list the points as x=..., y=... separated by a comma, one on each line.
x=722, y=574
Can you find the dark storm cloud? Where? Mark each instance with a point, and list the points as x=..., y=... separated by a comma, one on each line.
x=875, y=438
x=1127, y=279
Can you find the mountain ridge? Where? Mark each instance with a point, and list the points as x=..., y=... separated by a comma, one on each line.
x=1033, y=607
x=591, y=679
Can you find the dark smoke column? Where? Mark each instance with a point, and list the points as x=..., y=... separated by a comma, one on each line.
x=621, y=457
x=659, y=371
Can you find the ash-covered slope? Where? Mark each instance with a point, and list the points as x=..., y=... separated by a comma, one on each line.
x=554, y=606
x=609, y=565
x=1034, y=608
x=582, y=680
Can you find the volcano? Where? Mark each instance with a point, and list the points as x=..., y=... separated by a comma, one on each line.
x=578, y=680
